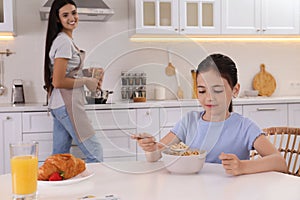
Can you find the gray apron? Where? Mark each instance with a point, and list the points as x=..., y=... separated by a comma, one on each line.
x=74, y=102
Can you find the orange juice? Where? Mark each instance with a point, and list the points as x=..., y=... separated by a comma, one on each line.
x=24, y=171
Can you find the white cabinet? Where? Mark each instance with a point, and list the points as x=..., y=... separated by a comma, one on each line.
x=238, y=109
x=10, y=131
x=294, y=115
x=7, y=17
x=147, y=121
x=267, y=115
x=178, y=16
x=114, y=127
x=38, y=126
x=170, y=116
x=260, y=17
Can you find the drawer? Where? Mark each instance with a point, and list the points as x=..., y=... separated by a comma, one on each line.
x=37, y=122
x=115, y=143
x=170, y=116
x=112, y=119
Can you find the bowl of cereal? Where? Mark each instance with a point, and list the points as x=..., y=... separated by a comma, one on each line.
x=189, y=161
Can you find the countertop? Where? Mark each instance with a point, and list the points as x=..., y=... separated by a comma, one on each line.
x=35, y=107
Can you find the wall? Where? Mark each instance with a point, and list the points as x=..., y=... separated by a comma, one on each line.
x=108, y=45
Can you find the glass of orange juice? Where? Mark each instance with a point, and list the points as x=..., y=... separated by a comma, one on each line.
x=24, y=169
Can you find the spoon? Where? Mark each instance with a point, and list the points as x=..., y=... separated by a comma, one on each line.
x=172, y=148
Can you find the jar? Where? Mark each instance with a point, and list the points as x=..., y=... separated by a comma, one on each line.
x=137, y=78
x=130, y=78
x=124, y=78
x=124, y=93
x=144, y=78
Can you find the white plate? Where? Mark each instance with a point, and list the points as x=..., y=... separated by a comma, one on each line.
x=76, y=179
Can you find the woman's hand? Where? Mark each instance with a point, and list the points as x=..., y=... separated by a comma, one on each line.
x=91, y=83
x=231, y=163
x=145, y=141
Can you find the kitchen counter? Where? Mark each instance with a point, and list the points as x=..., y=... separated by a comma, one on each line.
x=8, y=107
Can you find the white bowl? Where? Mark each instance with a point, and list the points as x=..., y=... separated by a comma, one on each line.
x=183, y=164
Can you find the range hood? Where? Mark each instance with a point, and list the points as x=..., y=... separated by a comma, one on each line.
x=88, y=10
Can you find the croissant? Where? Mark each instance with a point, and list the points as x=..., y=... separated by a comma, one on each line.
x=66, y=163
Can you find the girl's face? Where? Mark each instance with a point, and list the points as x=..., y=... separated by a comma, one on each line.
x=68, y=17
x=214, y=95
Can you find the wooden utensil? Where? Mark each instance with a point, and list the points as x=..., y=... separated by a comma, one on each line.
x=179, y=89
x=170, y=69
x=264, y=82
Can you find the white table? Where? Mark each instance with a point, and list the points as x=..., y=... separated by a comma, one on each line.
x=150, y=181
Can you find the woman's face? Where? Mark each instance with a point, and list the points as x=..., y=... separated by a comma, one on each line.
x=214, y=95
x=68, y=17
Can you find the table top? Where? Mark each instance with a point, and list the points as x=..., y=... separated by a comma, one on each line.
x=151, y=181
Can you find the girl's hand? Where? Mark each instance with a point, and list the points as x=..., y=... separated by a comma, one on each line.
x=91, y=83
x=231, y=163
x=145, y=141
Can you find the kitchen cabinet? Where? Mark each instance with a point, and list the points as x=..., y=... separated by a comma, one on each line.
x=170, y=116
x=178, y=16
x=260, y=17
x=7, y=25
x=147, y=121
x=266, y=115
x=38, y=126
x=294, y=115
x=10, y=131
x=114, y=127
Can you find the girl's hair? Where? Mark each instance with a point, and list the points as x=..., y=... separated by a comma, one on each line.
x=54, y=27
x=223, y=65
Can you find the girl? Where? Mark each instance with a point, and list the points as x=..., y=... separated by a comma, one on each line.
x=64, y=83
x=227, y=136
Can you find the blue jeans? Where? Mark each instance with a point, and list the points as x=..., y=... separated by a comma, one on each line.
x=64, y=133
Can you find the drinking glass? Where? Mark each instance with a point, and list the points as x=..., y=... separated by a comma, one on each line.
x=24, y=169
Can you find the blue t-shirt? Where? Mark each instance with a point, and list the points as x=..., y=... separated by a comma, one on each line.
x=235, y=135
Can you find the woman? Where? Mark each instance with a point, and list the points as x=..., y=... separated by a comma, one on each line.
x=64, y=83
x=227, y=136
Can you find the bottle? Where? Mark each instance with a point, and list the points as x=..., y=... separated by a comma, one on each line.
x=194, y=77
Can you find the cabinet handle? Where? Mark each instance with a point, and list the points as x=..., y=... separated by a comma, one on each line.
x=8, y=117
x=266, y=109
x=148, y=113
x=264, y=30
x=182, y=29
x=176, y=29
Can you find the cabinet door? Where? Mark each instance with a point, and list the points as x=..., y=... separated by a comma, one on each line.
x=112, y=119
x=45, y=141
x=157, y=16
x=6, y=17
x=200, y=16
x=37, y=122
x=241, y=17
x=280, y=17
x=267, y=115
x=294, y=115
x=10, y=131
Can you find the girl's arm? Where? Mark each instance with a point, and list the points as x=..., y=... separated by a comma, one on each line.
x=271, y=160
x=153, y=149
x=61, y=81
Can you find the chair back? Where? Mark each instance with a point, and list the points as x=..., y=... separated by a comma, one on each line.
x=287, y=141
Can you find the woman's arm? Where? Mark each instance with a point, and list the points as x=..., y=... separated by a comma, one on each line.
x=153, y=149
x=271, y=160
x=60, y=80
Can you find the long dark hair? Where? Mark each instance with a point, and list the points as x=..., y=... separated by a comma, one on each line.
x=54, y=27
x=222, y=64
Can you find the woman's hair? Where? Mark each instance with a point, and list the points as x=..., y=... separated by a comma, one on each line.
x=224, y=66
x=54, y=27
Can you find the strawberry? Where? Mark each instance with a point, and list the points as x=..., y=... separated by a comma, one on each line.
x=56, y=176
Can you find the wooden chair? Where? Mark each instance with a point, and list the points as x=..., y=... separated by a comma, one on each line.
x=287, y=140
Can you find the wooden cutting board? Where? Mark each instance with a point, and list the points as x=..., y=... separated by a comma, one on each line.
x=264, y=82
